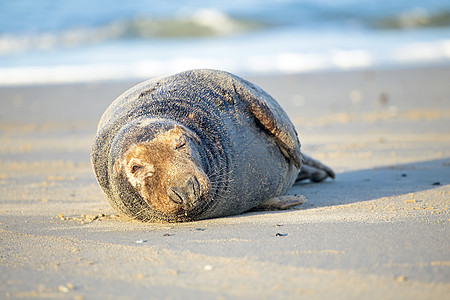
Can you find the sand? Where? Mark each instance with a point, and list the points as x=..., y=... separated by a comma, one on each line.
x=379, y=231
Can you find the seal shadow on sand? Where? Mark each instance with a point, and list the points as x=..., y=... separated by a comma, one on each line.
x=374, y=183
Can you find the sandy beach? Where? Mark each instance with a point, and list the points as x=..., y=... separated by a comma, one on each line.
x=380, y=230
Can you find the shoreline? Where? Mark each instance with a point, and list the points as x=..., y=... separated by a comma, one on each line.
x=110, y=78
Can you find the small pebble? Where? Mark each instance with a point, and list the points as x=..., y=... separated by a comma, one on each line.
x=63, y=289
x=166, y=234
x=200, y=229
x=207, y=267
x=140, y=241
x=436, y=183
x=281, y=234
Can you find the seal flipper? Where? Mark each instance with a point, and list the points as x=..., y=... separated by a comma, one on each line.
x=314, y=170
x=272, y=118
x=281, y=202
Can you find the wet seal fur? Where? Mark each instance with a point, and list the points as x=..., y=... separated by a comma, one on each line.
x=196, y=145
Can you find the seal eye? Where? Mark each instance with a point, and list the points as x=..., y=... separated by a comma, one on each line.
x=181, y=143
x=134, y=168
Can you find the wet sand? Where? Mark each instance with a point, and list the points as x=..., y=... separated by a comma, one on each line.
x=379, y=231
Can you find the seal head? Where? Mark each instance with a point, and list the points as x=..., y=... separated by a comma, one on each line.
x=166, y=171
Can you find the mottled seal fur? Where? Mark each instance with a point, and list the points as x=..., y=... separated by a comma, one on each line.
x=196, y=145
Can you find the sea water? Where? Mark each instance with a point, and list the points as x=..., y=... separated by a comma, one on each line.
x=49, y=41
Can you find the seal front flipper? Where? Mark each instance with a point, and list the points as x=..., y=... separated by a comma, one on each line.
x=272, y=118
x=281, y=202
x=314, y=170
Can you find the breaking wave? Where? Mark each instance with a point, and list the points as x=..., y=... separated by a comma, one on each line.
x=201, y=23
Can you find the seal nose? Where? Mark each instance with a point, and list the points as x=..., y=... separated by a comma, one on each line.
x=186, y=194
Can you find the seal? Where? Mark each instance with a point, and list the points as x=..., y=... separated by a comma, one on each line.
x=199, y=144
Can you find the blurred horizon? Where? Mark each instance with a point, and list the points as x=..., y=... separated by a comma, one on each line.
x=65, y=41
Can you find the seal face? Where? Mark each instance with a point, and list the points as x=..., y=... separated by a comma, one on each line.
x=166, y=172
x=196, y=145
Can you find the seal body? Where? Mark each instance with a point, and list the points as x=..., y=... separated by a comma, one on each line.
x=194, y=145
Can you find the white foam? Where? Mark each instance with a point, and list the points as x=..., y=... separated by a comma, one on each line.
x=422, y=52
x=215, y=20
x=351, y=59
x=267, y=62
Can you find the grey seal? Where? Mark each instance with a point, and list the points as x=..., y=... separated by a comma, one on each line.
x=198, y=144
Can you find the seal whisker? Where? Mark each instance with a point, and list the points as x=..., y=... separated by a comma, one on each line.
x=223, y=180
x=220, y=172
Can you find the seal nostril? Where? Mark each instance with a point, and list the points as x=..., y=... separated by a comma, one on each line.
x=176, y=195
x=193, y=184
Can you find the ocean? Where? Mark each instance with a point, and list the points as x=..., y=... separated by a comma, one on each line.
x=65, y=41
